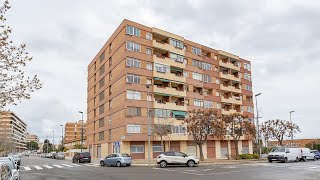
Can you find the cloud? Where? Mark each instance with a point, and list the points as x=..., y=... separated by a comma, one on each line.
x=281, y=39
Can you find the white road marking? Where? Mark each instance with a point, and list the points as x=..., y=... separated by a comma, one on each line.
x=75, y=165
x=27, y=168
x=38, y=167
x=207, y=169
x=58, y=166
x=67, y=165
x=190, y=170
x=49, y=167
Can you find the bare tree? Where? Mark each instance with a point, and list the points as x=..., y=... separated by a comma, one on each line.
x=279, y=129
x=162, y=130
x=14, y=84
x=238, y=125
x=201, y=124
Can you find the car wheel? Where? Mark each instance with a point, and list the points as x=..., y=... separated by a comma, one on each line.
x=79, y=161
x=270, y=161
x=102, y=163
x=190, y=163
x=297, y=159
x=73, y=161
x=90, y=161
x=285, y=160
x=118, y=164
x=314, y=158
x=163, y=164
x=128, y=164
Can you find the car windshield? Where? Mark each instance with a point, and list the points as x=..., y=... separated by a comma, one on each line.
x=85, y=154
x=61, y=153
x=278, y=150
x=315, y=151
x=125, y=155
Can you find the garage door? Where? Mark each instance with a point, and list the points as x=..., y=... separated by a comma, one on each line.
x=191, y=150
x=224, y=152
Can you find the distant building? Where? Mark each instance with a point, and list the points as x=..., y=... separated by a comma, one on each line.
x=296, y=142
x=72, y=134
x=12, y=132
x=32, y=137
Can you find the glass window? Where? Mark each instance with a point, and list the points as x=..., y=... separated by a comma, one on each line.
x=133, y=111
x=196, y=50
x=101, y=96
x=161, y=68
x=208, y=104
x=101, y=83
x=136, y=148
x=178, y=129
x=131, y=46
x=101, y=109
x=198, y=102
x=157, y=148
x=101, y=136
x=177, y=57
x=102, y=57
x=197, y=76
x=132, y=128
x=176, y=43
x=148, y=51
x=149, y=66
x=101, y=122
x=148, y=36
x=132, y=78
x=102, y=69
x=133, y=31
x=218, y=105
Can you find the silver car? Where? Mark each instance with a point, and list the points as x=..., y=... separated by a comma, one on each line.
x=12, y=170
x=116, y=159
x=60, y=155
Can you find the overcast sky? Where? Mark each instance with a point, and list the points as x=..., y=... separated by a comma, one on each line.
x=281, y=39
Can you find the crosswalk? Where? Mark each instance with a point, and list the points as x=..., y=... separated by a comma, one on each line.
x=293, y=166
x=52, y=166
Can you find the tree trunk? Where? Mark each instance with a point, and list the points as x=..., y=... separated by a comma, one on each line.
x=201, y=152
x=237, y=150
x=162, y=147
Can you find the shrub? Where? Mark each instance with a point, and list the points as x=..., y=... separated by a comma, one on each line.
x=249, y=156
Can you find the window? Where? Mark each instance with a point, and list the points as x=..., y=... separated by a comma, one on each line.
x=110, y=135
x=185, y=74
x=101, y=136
x=102, y=69
x=178, y=129
x=132, y=78
x=131, y=46
x=101, y=96
x=176, y=43
x=218, y=105
x=149, y=97
x=247, y=76
x=197, y=76
x=207, y=78
x=208, y=104
x=110, y=104
x=101, y=57
x=133, y=31
x=177, y=57
x=217, y=93
x=110, y=120
x=132, y=128
x=149, y=81
x=149, y=66
x=133, y=111
x=162, y=113
x=247, y=87
x=136, y=148
x=157, y=148
x=101, y=109
x=131, y=62
x=206, y=66
x=133, y=95
x=196, y=50
x=101, y=122
x=198, y=102
x=148, y=36
x=161, y=68
x=101, y=83
x=217, y=81
x=196, y=63
x=110, y=76
x=110, y=61
x=250, y=109
x=148, y=51
x=247, y=66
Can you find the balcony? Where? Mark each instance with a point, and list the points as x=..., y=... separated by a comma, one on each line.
x=169, y=105
x=230, y=77
x=169, y=90
x=230, y=88
x=230, y=65
x=231, y=100
x=169, y=76
x=166, y=46
x=168, y=61
x=228, y=112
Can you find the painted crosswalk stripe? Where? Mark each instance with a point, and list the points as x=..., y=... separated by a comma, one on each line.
x=58, y=166
x=27, y=168
x=49, y=167
x=67, y=165
x=38, y=167
x=75, y=165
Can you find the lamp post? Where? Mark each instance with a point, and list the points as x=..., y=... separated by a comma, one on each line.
x=81, y=129
x=291, y=127
x=61, y=137
x=53, y=140
x=148, y=120
x=258, y=128
x=47, y=145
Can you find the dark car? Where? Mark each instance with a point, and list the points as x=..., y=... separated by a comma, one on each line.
x=80, y=157
x=316, y=154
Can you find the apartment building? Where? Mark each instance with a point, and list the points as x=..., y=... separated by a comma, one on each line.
x=141, y=68
x=32, y=137
x=72, y=134
x=12, y=133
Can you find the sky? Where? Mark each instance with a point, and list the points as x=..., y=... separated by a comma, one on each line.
x=280, y=38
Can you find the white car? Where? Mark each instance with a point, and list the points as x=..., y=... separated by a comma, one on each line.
x=176, y=158
x=12, y=168
x=284, y=154
x=306, y=154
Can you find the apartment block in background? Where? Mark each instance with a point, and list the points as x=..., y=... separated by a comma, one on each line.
x=181, y=75
x=32, y=137
x=12, y=133
x=72, y=134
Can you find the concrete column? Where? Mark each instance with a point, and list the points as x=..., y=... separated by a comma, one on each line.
x=146, y=150
x=250, y=147
x=218, y=149
x=104, y=150
x=229, y=148
x=125, y=147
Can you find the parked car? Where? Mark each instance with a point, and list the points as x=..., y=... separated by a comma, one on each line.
x=60, y=155
x=316, y=154
x=53, y=155
x=176, y=158
x=116, y=159
x=13, y=168
x=81, y=157
x=16, y=158
x=5, y=172
x=306, y=154
x=284, y=154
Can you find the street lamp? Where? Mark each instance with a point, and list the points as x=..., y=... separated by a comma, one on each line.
x=291, y=127
x=149, y=124
x=53, y=140
x=81, y=129
x=61, y=137
x=258, y=128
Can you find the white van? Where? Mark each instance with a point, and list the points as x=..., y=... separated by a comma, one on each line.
x=306, y=154
x=284, y=154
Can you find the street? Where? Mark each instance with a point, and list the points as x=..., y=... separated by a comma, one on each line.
x=37, y=168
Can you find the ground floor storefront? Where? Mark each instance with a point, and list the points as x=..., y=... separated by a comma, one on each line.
x=218, y=149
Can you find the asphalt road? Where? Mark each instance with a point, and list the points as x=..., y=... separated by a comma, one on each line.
x=37, y=168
